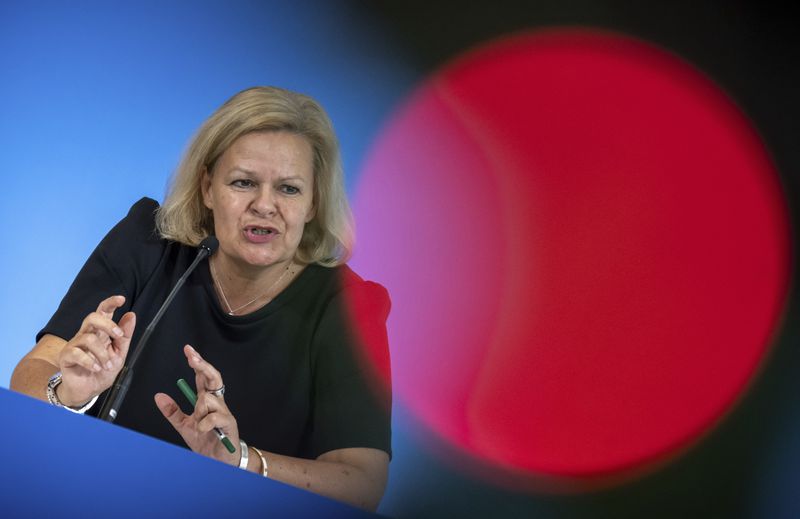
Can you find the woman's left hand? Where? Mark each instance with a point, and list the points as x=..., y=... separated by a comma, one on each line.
x=210, y=411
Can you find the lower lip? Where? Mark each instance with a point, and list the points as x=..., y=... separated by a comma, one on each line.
x=259, y=238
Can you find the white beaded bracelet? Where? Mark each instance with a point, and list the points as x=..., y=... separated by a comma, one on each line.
x=245, y=454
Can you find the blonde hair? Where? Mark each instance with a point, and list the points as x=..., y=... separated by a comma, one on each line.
x=328, y=238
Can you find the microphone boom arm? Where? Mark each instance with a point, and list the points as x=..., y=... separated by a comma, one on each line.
x=119, y=389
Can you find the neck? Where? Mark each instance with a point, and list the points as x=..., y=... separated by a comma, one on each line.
x=244, y=290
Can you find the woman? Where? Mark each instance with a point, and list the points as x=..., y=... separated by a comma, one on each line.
x=269, y=312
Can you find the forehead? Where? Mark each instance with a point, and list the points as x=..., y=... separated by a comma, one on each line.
x=270, y=152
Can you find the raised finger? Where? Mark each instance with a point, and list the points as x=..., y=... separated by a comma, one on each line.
x=99, y=347
x=208, y=403
x=75, y=356
x=108, y=305
x=128, y=324
x=207, y=378
x=101, y=325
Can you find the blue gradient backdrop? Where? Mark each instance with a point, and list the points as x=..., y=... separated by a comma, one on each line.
x=99, y=102
x=99, y=99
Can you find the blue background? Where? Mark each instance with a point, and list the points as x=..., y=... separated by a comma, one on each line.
x=99, y=100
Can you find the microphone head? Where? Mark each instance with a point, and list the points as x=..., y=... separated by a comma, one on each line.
x=210, y=244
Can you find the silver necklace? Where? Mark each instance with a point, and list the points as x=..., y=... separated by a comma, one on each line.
x=232, y=311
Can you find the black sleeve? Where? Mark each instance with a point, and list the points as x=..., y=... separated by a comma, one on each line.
x=119, y=265
x=352, y=389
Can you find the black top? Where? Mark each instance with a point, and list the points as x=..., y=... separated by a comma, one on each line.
x=296, y=372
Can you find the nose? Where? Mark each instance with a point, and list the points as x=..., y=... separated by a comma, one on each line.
x=263, y=204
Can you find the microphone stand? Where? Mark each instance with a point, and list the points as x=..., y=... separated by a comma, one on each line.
x=114, y=399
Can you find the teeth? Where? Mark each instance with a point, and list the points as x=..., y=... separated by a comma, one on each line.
x=262, y=231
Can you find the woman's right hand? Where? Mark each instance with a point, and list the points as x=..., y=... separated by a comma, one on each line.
x=91, y=360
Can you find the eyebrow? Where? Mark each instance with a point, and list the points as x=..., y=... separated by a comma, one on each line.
x=243, y=170
x=293, y=177
x=254, y=174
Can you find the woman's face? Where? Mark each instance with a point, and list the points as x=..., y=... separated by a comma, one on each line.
x=261, y=191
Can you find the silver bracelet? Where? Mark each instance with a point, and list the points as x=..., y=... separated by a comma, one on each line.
x=52, y=397
x=245, y=454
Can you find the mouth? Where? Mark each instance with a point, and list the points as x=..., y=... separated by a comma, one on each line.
x=260, y=231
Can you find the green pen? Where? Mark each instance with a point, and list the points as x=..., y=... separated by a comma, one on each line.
x=192, y=398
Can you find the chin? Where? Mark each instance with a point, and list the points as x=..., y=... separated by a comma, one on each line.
x=263, y=262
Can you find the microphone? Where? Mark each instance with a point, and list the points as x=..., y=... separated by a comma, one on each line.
x=114, y=399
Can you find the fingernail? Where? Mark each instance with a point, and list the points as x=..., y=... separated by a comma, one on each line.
x=109, y=365
x=118, y=331
x=96, y=367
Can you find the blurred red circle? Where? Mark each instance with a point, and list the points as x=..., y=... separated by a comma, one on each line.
x=587, y=250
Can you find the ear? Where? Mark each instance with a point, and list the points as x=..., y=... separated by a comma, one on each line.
x=314, y=200
x=205, y=187
x=312, y=213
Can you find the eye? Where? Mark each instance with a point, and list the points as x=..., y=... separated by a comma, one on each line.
x=243, y=183
x=289, y=189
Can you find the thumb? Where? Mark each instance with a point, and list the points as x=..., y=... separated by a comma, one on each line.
x=171, y=411
x=127, y=324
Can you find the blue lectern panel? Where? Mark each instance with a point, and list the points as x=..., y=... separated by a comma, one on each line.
x=58, y=464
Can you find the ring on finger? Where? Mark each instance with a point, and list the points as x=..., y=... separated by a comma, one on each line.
x=217, y=392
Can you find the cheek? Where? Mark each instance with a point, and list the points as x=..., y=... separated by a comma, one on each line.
x=227, y=206
x=299, y=213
